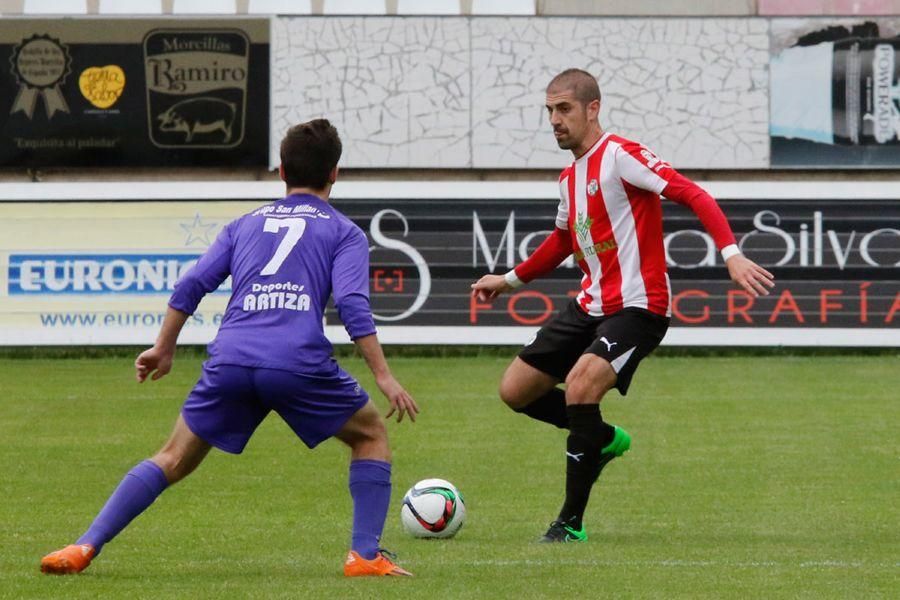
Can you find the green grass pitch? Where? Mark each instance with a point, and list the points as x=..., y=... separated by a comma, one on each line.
x=749, y=477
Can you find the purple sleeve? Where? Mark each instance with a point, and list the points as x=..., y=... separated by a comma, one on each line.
x=204, y=277
x=350, y=284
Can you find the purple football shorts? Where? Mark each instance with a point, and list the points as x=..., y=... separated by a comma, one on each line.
x=229, y=402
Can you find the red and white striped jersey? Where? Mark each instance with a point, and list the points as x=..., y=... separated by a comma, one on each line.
x=609, y=203
x=610, y=217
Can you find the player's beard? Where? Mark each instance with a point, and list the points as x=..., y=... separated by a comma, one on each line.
x=566, y=142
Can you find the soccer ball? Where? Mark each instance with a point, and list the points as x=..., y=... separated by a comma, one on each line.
x=432, y=508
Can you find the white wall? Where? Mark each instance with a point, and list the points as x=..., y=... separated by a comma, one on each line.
x=445, y=92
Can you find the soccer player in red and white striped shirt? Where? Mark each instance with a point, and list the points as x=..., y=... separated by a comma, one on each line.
x=610, y=218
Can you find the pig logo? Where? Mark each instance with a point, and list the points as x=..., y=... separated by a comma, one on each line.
x=204, y=115
x=196, y=82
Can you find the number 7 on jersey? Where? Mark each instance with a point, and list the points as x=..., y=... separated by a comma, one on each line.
x=295, y=228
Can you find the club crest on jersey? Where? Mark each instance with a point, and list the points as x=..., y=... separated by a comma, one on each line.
x=583, y=226
x=592, y=188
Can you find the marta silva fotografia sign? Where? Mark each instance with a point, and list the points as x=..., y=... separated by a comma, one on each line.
x=836, y=263
x=141, y=92
x=835, y=93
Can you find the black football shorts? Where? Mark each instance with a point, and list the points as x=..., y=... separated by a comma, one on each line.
x=623, y=338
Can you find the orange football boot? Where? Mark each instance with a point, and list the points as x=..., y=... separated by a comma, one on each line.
x=380, y=566
x=71, y=559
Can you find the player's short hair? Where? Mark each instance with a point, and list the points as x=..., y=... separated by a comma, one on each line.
x=578, y=80
x=309, y=152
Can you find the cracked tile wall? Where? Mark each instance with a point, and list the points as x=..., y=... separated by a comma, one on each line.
x=447, y=92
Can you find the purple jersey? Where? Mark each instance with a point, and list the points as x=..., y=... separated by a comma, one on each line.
x=285, y=259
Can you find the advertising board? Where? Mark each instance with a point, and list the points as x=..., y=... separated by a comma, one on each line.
x=78, y=271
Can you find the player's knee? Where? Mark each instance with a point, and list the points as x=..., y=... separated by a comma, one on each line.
x=579, y=393
x=379, y=447
x=511, y=393
x=587, y=384
x=365, y=432
x=375, y=431
x=369, y=440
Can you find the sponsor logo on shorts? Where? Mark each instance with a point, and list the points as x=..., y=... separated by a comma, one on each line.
x=608, y=343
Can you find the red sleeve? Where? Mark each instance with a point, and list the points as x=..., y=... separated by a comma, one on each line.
x=684, y=191
x=552, y=251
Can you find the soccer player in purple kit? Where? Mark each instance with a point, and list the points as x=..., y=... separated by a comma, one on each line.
x=270, y=353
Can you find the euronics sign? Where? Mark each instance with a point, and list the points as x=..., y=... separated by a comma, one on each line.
x=100, y=274
x=103, y=273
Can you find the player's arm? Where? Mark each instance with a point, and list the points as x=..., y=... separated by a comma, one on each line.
x=552, y=251
x=350, y=288
x=208, y=274
x=743, y=271
x=641, y=168
x=158, y=359
x=401, y=402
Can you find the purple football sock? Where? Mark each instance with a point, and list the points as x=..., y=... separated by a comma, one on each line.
x=138, y=489
x=370, y=487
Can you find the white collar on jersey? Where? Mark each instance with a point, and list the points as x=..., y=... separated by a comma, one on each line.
x=593, y=149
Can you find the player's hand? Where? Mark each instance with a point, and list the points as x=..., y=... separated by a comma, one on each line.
x=401, y=402
x=156, y=361
x=750, y=275
x=489, y=287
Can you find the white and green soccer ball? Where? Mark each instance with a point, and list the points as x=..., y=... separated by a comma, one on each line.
x=432, y=508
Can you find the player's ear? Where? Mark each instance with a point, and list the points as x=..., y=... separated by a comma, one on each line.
x=593, y=109
x=281, y=172
x=332, y=177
